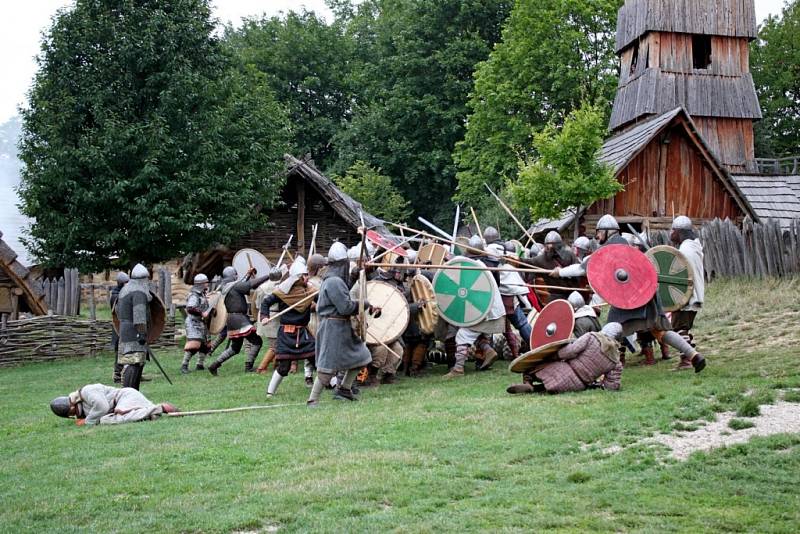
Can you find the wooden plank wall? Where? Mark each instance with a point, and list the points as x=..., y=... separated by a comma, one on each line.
x=731, y=140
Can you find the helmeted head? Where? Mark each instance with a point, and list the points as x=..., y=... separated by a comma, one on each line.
x=354, y=253
x=275, y=274
x=475, y=242
x=496, y=250
x=298, y=268
x=606, y=227
x=536, y=249
x=229, y=273
x=612, y=330
x=553, y=238
x=682, y=222
x=122, y=278
x=139, y=272
x=315, y=263
x=61, y=406
x=576, y=300
x=582, y=247
x=201, y=281
x=412, y=255
x=337, y=252
x=490, y=235
x=510, y=247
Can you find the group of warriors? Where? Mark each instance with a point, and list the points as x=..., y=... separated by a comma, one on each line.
x=318, y=312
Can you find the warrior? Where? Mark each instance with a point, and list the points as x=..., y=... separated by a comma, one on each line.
x=133, y=312
x=513, y=292
x=96, y=404
x=337, y=346
x=582, y=248
x=122, y=279
x=555, y=255
x=295, y=342
x=491, y=236
x=316, y=262
x=228, y=276
x=591, y=361
x=238, y=325
x=685, y=239
x=650, y=317
x=416, y=341
x=268, y=331
x=585, y=317
x=197, y=310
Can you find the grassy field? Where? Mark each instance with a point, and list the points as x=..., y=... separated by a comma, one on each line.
x=422, y=456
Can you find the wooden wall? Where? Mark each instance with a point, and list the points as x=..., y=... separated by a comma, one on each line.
x=731, y=140
x=670, y=178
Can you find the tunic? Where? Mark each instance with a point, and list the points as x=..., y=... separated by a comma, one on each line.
x=235, y=295
x=337, y=346
x=295, y=342
x=105, y=405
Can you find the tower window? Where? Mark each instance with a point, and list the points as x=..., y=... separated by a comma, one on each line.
x=701, y=51
x=635, y=58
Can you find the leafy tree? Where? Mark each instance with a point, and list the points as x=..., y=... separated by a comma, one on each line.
x=416, y=61
x=374, y=191
x=775, y=65
x=553, y=55
x=141, y=142
x=566, y=173
x=308, y=64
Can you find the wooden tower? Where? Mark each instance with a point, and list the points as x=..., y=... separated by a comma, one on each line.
x=692, y=54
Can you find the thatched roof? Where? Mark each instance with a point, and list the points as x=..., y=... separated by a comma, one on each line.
x=21, y=278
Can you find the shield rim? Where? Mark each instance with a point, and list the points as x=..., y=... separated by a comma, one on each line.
x=537, y=355
x=218, y=316
x=676, y=252
x=406, y=316
x=591, y=275
x=433, y=310
x=156, y=305
x=474, y=263
x=541, y=313
x=250, y=250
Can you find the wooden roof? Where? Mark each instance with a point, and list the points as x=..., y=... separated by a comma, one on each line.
x=772, y=197
x=22, y=278
x=732, y=18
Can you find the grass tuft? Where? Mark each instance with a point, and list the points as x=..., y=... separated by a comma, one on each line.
x=740, y=424
x=579, y=477
x=792, y=396
x=749, y=408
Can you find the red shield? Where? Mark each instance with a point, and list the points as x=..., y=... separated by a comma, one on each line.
x=379, y=241
x=554, y=323
x=623, y=276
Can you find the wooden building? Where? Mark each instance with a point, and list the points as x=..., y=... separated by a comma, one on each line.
x=774, y=197
x=18, y=292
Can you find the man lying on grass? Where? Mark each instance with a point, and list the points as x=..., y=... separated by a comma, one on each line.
x=98, y=404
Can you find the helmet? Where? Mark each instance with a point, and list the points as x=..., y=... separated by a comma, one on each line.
x=200, y=279
x=583, y=243
x=315, y=262
x=122, y=278
x=354, y=252
x=510, y=247
x=298, y=268
x=607, y=222
x=612, y=330
x=60, y=406
x=229, y=272
x=476, y=242
x=491, y=234
x=412, y=256
x=337, y=252
x=553, y=238
x=275, y=274
x=139, y=272
x=682, y=222
x=496, y=250
x=576, y=299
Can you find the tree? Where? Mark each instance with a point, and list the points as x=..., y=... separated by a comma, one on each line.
x=776, y=73
x=307, y=64
x=566, y=173
x=417, y=59
x=553, y=55
x=141, y=142
x=374, y=191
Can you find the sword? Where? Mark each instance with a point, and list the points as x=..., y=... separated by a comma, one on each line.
x=285, y=250
x=641, y=237
x=153, y=357
x=435, y=228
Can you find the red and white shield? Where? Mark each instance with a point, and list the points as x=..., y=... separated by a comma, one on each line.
x=379, y=241
x=623, y=276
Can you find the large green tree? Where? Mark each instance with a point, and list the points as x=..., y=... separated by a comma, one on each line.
x=775, y=64
x=553, y=55
x=416, y=59
x=141, y=142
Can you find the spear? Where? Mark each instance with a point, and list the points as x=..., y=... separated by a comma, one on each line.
x=508, y=210
x=290, y=308
x=285, y=250
x=461, y=268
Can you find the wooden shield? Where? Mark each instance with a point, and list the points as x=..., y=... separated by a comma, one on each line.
x=379, y=241
x=527, y=360
x=532, y=316
x=422, y=290
x=675, y=276
x=554, y=323
x=394, y=317
x=432, y=253
x=247, y=257
x=219, y=313
x=464, y=298
x=158, y=318
x=623, y=276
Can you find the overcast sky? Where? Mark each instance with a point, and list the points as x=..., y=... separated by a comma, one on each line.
x=21, y=24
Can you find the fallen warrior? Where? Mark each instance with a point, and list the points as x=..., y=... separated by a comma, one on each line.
x=591, y=361
x=97, y=404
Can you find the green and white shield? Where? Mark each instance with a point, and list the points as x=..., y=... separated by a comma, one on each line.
x=675, y=276
x=464, y=297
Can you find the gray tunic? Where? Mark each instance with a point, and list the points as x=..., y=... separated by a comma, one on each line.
x=105, y=405
x=133, y=312
x=338, y=348
x=196, y=305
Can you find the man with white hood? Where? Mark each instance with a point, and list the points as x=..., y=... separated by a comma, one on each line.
x=514, y=293
x=685, y=239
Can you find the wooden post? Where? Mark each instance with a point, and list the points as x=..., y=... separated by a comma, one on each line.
x=67, y=293
x=60, y=298
x=301, y=215
x=661, y=208
x=161, y=285
x=15, y=293
x=76, y=284
x=168, y=293
x=92, y=311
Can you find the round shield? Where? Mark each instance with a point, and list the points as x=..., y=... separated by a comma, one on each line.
x=158, y=318
x=527, y=360
x=422, y=290
x=379, y=241
x=464, y=298
x=462, y=245
x=554, y=323
x=394, y=317
x=675, y=276
x=623, y=276
x=432, y=253
x=532, y=315
x=248, y=257
x=219, y=313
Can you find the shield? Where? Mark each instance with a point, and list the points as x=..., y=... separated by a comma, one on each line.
x=219, y=313
x=379, y=241
x=554, y=323
x=432, y=253
x=248, y=257
x=623, y=276
x=394, y=317
x=158, y=318
x=462, y=245
x=422, y=290
x=675, y=276
x=529, y=359
x=532, y=315
x=464, y=298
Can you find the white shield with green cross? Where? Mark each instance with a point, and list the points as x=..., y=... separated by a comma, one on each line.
x=464, y=297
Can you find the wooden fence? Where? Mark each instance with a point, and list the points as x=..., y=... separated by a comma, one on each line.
x=62, y=296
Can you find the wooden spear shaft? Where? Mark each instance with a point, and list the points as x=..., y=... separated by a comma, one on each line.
x=232, y=410
x=290, y=308
x=477, y=224
x=385, y=252
x=508, y=210
x=459, y=268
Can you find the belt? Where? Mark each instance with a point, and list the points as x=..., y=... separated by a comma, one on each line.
x=336, y=317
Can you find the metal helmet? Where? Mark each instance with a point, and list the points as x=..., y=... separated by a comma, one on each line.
x=583, y=243
x=576, y=299
x=369, y=247
x=337, y=252
x=510, y=247
x=200, y=279
x=315, y=262
x=122, y=278
x=476, y=242
x=60, y=406
x=139, y=272
x=553, y=238
x=607, y=222
x=412, y=255
x=682, y=222
x=229, y=272
x=354, y=252
x=298, y=268
x=496, y=250
x=491, y=234
x=612, y=330
x=275, y=274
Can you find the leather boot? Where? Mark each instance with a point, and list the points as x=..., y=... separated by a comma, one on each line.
x=649, y=358
x=665, y=352
x=372, y=379
x=388, y=379
x=213, y=367
x=698, y=362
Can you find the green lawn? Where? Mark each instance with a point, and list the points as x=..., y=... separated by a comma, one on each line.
x=422, y=456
